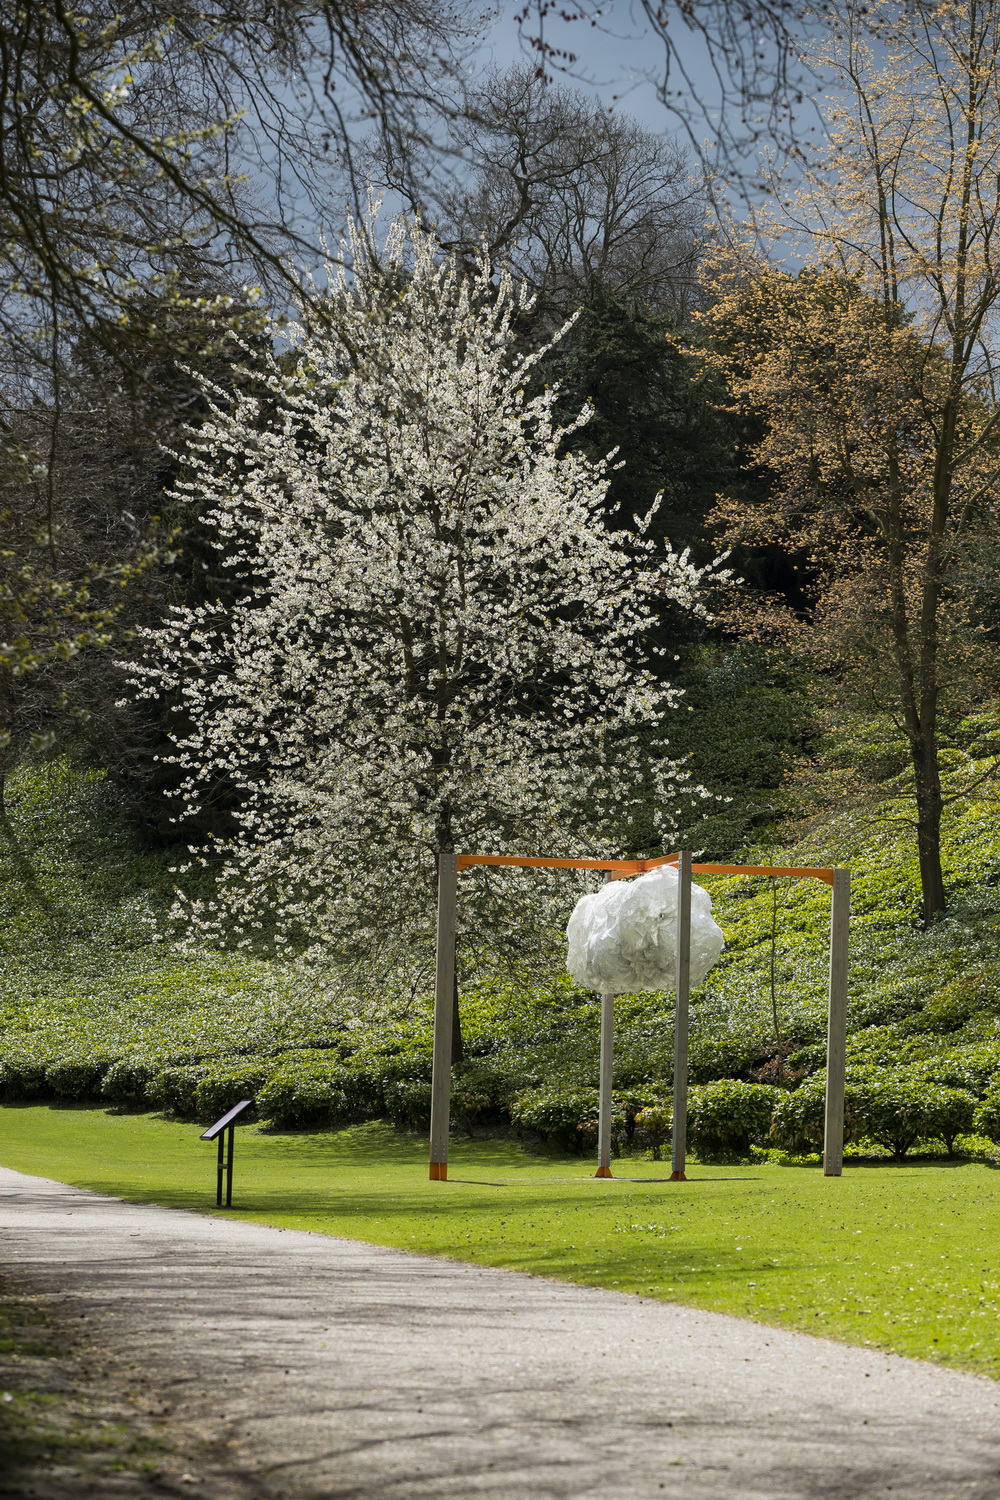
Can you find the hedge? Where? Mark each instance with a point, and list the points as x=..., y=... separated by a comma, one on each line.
x=895, y=1108
x=311, y=1088
x=653, y=1127
x=566, y=1115
x=728, y=1117
x=77, y=1077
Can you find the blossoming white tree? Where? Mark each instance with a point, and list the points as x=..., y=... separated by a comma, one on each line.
x=440, y=643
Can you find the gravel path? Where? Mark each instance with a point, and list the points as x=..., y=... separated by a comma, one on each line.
x=309, y=1366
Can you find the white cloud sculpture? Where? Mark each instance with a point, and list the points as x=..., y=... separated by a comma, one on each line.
x=623, y=938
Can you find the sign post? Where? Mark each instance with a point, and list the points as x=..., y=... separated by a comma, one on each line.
x=224, y=1170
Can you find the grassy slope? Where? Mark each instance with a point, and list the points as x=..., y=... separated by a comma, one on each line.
x=901, y=1258
x=81, y=975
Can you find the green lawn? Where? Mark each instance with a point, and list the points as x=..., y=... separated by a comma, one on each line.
x=899, y=1257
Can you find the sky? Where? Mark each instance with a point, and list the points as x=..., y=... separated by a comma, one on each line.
x=622, y=62
x=619, y=61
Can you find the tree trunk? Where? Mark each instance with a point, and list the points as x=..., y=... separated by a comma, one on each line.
x=929, y=803
x=918, y=667
x=926, y=767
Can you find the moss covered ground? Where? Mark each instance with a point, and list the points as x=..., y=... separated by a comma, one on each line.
x=900, y=1257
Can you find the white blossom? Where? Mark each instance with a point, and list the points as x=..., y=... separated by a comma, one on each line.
x=441, y=642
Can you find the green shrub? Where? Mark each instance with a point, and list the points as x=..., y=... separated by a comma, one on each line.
x=797, y=1117
x=711, y=1057
x=366, y=1081
x=949, y=1009
x=808, y=1060
x=224, y=1085
x=479, y=1095
x=567, y=1116
x=653, y=1127
x=987, y=1117
x=23, y=1078
x=128, y=1080
x=307, y=1088
x=407, y=1102
x=980, y=1064
x=77, y=1077
x=883, y=1010
x=628, y=1104
x=728, y=1117
x=897, y=1110
x=894, y=1107
x=174, y=1088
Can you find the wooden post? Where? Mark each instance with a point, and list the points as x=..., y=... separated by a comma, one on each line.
x=836, y=1034
x=678, y=1149
x=444, y=1003
x=607, y=1075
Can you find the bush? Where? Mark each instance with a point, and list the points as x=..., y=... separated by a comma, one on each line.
x=77, y=1077
x=980, y=1064
x=987, y=1117
x=174, y=1088
x=23, y=1078
x=797, y=1118
x=654, y=1125
x=479, y=1096
x=128, y=1080
x=712, y=1057
x=307, y=1088
x=950, y=1008
x=626, y=1107
x=728, y=1117
x=894, y=1107
x=898, y=1110
x=227, y=1083
x=408, y=1103
x=568, y=1115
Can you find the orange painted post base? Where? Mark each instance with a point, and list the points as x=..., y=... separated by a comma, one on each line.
x=678, y=1177
x=439, y=1171
x=603, y=1172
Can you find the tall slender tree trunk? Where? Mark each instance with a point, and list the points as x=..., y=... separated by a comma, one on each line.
x=926, y=765
x=917, y=665
x=927, y=780
x=6, y=724
x=446, y=844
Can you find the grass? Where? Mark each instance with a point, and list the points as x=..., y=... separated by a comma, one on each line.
x=898, y=1257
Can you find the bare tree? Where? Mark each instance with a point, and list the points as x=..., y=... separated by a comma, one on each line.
x=566, y=194
x=128, y=134
x=153, y=148
x=734, y=75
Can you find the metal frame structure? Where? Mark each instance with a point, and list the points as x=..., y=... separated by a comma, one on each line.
x=449, y=866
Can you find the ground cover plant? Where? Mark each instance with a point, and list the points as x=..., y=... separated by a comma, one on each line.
x=94, y=1006
x=898, y=1257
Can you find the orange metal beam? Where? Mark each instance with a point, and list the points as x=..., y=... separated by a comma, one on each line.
x=798, y=872
x=623, y=867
